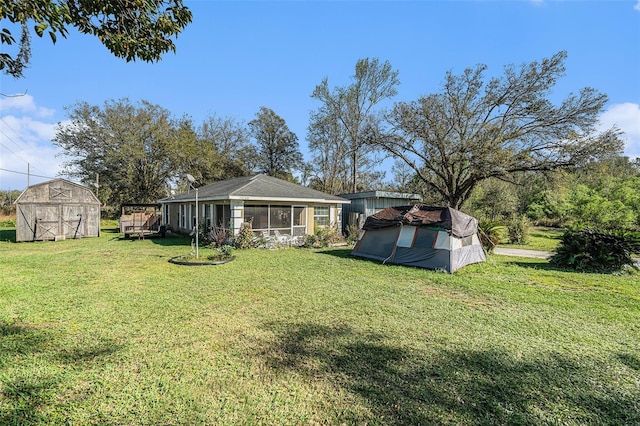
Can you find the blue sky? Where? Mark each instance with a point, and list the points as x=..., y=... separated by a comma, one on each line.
x=238, y=56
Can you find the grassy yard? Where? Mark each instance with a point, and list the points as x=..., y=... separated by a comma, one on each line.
x=105, y=330
x=540, y=238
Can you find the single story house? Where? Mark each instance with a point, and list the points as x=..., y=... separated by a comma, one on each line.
x=365, y=204
x=269, y=203
x=57, y=209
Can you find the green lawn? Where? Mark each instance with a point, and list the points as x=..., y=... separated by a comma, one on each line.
x=105, y=330
x=540, y=238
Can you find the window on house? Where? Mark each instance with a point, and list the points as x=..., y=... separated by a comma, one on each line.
x=183, y=216
x=165, y=217
x=321, y=215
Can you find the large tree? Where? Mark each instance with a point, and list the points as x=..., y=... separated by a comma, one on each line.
x=277, y=151
x=350, y=109
x=137, y=150
x=130, y=29
x=327, y=171
x=474, y=130
x=229, y=152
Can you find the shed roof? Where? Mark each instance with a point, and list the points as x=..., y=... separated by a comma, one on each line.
x=257, y=187
x=382, y=194
x=61, y=183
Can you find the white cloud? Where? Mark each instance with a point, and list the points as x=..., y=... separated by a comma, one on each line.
x=24, y=104
x=637, y=6
x=626, y=117
x=26, y=132
x=27, y=129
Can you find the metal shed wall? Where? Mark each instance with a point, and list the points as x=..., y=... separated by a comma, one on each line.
x=57, y=209
x=364, y=204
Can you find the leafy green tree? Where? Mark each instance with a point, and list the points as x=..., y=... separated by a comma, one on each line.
x=603, y=194
x=493, y=200
x=473, y=131
x=337, y=127
x=276, y=147
x=130, y=29
x=614, y=205
x=135, y=149
x=7, y=197
x=224, y=144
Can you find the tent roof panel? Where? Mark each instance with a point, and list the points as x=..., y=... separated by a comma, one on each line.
x=452, y=220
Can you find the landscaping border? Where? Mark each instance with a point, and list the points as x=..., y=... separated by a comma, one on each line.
x=175, y=260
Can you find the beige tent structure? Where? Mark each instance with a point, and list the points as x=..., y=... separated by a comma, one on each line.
x=57, y=209
x=423, y=236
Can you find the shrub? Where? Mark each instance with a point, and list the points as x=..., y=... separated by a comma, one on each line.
x=226, y=250
x=518, y=229
x=218, y=236
x=323, y=237
x=245, y=238
x=592, y=250
x=9, y=223
x=490, y=234
x=353, y=232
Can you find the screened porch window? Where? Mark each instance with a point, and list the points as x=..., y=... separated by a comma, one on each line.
x=286, y=219
x=299, y=221
x=280, y=218
x=222, y=215
x=258, y=216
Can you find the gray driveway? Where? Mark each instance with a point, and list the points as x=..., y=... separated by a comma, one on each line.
x=522, y=252
x=534, y=253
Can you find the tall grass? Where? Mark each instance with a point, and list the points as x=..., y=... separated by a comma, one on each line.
x=105, y=330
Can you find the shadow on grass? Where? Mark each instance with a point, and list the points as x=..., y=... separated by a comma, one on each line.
x=630, y=360
x=8, y=235
x=346, y=254
x=445, y=386
x=29, y=377
x=167, y=241
x=109, y=230
x=342, y=253
x=538, y=264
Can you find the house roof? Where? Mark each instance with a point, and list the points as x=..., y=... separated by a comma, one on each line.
x=257, y=187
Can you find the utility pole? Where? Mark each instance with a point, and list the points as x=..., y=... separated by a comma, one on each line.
x=28, y=175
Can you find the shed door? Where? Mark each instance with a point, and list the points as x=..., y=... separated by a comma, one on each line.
x=47, y=222
x=24, y=222
x=73, y=221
